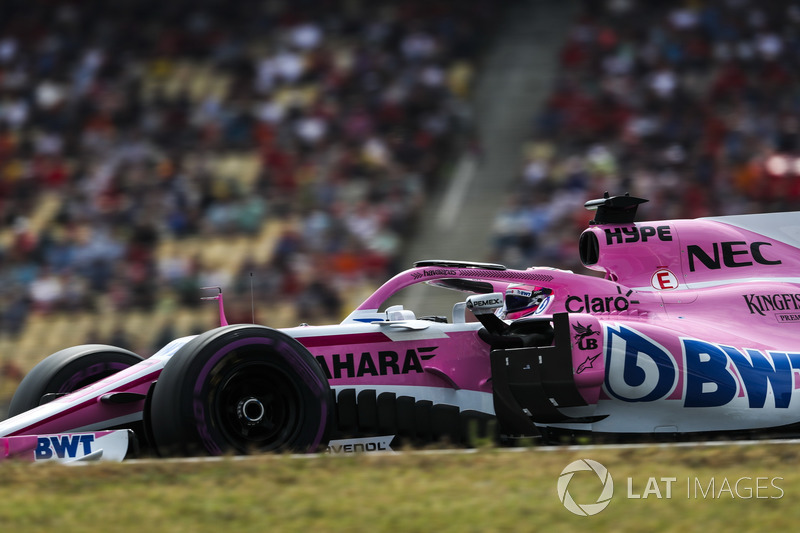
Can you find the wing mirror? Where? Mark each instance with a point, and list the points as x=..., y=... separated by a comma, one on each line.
x=482, y=304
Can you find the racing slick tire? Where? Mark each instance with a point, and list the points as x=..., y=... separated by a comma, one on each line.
x=240, y=389
x=69, y=370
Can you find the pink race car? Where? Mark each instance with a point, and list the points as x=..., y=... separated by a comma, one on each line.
x=694, y=330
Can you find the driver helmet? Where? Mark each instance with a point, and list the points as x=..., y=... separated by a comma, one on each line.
x=523, y=300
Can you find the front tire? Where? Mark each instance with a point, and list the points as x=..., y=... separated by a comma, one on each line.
x=69, y=370
x=240, y=389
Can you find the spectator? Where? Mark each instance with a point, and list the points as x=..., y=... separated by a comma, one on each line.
x=690, y=105
x=348, y=110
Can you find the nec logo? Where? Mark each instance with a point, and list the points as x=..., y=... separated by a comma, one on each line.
x=734, y=254
x=63, y=446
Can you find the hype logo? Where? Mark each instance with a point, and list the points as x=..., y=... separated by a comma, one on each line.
x=637, y=368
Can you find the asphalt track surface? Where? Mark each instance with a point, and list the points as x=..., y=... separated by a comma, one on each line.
x=467, y=451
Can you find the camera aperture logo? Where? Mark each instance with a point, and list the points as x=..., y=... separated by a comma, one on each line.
x=585, y=509
x=698, y=488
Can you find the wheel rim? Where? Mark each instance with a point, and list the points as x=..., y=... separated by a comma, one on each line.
x=258, y=407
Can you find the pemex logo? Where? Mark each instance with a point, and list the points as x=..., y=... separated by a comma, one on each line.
x=585, y=509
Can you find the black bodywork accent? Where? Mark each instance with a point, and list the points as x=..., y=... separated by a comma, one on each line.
x=122, y=397
x=367, y=405
x=463, y=285
x=459, y=264
x=346, y=411
x=589, y=248
x=531, y=383
x=528, y=331
x=614, y=209
x=556, y=435
x=50, y=396
x=412, y=422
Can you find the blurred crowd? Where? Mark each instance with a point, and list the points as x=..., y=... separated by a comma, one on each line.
x=694, y=105
x=110, y=144
x=352, y=108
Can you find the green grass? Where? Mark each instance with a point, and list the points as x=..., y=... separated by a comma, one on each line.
x=490, y=490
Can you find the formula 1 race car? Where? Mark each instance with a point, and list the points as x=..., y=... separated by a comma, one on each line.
x=693, y=330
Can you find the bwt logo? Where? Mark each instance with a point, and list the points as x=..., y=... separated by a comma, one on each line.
x=638, y=369
x=63, y=446
x=585, y=509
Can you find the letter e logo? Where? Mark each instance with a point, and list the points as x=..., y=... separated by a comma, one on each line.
x=664, y=280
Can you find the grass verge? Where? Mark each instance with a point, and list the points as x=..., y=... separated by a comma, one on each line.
x=489, y=490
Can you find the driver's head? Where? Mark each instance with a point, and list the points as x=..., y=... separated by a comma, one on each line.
x=522, y=300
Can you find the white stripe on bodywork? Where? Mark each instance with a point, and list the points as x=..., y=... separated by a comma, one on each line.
x=112, y=422
x=719, y=282
x=782, y=227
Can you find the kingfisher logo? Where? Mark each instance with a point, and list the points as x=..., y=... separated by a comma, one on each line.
x=761, y=304
x=568, y=475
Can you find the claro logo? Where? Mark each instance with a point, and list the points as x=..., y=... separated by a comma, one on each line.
x=599, y=304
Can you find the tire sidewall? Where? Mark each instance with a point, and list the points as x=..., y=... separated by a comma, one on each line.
x=185, y=416
x=69, y=370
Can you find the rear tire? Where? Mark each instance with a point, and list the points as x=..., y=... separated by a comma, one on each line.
x=241, y=389
x=69, y=370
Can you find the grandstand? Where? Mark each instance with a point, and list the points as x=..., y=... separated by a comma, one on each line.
x=150, y=148
x=692, y=105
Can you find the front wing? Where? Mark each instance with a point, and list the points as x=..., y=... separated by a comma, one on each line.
x=111, y=446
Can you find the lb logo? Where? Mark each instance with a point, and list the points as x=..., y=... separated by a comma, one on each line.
x=585, y=509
